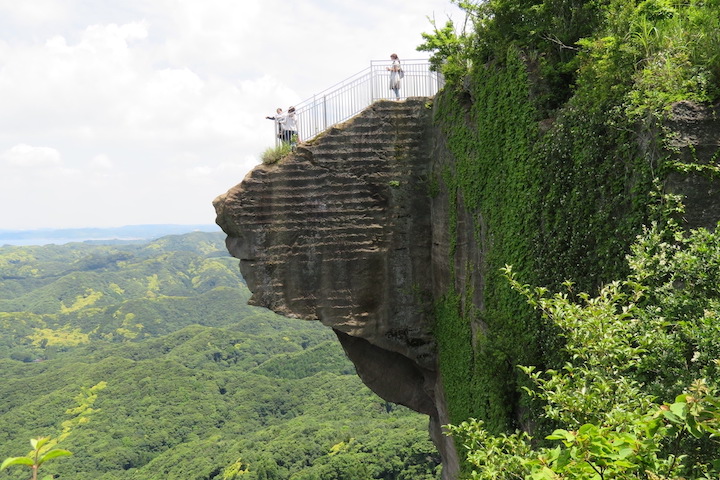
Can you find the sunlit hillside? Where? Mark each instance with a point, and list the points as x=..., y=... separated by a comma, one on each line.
x=146, y=362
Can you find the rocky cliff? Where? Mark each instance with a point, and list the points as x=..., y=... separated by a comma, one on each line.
x=695, y=143
x=352, y=230
x=340, y=232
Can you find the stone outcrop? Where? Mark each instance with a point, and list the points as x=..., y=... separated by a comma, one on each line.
x=340, y=232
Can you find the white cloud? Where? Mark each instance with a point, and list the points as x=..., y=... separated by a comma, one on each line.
x=101, y=162
x=157, y=107
x=31, y=157
x=32, y=12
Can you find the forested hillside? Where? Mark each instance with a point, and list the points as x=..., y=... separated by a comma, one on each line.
x=147, y=363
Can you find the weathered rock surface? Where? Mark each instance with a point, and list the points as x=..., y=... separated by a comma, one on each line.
x=696, y=139
x=340, y=232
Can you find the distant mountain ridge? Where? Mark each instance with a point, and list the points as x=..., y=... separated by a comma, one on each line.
x=100, y=235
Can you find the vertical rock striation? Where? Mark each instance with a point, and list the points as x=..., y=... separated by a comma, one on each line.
x=340, y=232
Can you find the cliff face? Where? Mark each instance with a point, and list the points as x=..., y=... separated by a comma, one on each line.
x=340, y=232
x=695, y=141
x=361, y=231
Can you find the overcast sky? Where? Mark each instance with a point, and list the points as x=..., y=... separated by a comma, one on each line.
x=127, y=112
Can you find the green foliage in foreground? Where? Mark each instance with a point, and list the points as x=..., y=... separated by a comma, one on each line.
x=41, y=453
x=639, y=397
x=146, y=362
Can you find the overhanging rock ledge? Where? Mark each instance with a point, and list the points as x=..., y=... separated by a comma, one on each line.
x=340, y=232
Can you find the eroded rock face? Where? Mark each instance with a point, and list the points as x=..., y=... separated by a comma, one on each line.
x=340, y=232
x=696, y=139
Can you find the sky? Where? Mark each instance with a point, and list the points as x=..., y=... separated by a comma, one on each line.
x=132, y=112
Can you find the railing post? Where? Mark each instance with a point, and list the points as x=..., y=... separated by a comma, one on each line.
x=314, y=116
x=372, y=82
x=324, y=112
x=428, y=80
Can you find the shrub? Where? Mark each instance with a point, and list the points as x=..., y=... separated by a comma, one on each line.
x=275, y=154
x=42, y=452
x=602, y=402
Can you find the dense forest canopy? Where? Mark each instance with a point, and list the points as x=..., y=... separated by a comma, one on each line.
x=146, y=362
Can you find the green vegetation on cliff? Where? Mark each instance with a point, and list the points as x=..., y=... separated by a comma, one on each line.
x=554, y=115
x=146, y=362
x=638, y=397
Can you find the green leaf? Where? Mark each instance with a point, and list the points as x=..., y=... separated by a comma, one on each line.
x=563, y=458
x=693, y=427
x=38, y=443
x=58, y=452
x=16, y=461
x=560, y=434
x=679, y=409
x=544, y=474
x=587, y=429
x=625, y=452
x=672, y=417
x=652, y=426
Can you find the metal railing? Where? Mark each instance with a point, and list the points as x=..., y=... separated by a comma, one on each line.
x=351, y=96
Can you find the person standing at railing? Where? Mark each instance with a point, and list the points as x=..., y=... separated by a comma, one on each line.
x=279, y=119
x=396, y=74
x=289, y=127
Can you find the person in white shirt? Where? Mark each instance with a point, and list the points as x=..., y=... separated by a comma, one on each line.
x=279, y=119
x=395, y=75
x=289, y=127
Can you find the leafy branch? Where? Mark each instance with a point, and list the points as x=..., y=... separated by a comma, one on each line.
x=41, y=453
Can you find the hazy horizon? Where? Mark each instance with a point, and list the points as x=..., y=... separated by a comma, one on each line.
x=124, y=233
